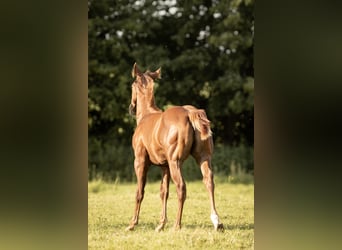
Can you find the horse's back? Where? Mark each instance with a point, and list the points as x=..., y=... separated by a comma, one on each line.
x=175, y=114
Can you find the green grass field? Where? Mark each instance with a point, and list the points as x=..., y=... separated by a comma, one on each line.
x=110, y=208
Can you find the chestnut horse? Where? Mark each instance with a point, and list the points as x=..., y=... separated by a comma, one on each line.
x=166, y=139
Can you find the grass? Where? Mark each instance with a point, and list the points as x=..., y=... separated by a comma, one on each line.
x=110, y=208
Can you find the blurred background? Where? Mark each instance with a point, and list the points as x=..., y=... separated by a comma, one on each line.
x=205, y=50
x=47, y=107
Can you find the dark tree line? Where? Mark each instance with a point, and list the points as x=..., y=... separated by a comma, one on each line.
x=205, y=50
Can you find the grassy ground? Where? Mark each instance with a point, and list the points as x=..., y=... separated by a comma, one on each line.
x=110, y=208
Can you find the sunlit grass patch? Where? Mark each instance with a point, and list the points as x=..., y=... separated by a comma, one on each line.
x=110, y=209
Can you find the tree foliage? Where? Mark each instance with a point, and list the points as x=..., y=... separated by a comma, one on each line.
x=205, y=49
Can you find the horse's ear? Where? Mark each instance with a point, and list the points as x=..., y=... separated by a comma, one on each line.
x=156, y=74
x=135, y=70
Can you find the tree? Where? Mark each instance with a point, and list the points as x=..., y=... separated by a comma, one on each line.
x=205, y=49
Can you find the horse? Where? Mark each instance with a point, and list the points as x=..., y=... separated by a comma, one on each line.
x=166, y=139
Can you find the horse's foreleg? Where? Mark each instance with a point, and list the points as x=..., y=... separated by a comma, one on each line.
x=140, y=171
x=177, y=178
x=208, y=181
x=164, y=194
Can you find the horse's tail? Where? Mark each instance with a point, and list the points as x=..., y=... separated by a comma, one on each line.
x=199, y=121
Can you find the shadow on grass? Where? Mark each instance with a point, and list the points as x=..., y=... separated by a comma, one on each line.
x=149, y=226
x=226, y=227
x=240, y=227
x=140, y=227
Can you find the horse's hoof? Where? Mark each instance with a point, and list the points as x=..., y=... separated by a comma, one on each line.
x=220, y=227
x=129, y=228
x=159, y=228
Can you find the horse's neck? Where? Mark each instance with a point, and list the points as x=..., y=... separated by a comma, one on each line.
x=145, y=108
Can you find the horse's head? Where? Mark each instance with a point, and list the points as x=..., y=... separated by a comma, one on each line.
x=142, y=86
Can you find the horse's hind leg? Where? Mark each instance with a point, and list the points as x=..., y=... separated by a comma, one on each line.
x=175, y=169
x=140, y=166
x=164, y=194
x=208, y=180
